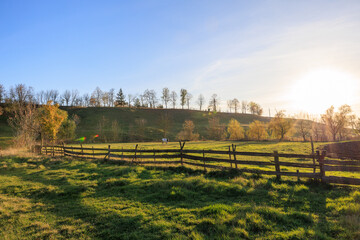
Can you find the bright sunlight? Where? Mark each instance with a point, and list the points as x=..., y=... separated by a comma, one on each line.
x=317, y=90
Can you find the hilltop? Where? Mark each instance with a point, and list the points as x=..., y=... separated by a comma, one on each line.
x=148, y=124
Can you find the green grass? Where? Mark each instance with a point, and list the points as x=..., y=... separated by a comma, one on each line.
x=43, y=198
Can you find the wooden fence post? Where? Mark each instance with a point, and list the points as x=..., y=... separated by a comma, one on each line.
x=182, y=144
x=53, y=150
x=234, y=153
x=313, y=153
x=204, y=160
x=45, y=150
x=63, y=145
x=277, y=165
x=321, y=158
x=109, y=151
x=298, y=177
x=82, y=151
x=93, y=152
x=122, y=153
x=230, y=157
x=154, y=154
x=136, y=146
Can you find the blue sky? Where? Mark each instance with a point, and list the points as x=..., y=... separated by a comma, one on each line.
x=251, y=50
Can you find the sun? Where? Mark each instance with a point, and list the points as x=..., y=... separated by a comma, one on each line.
x=317, y=90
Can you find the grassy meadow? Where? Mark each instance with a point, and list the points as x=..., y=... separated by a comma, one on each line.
x=63, y=198
x=43, y=198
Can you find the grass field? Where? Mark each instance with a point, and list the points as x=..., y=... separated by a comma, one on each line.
x=44, y=198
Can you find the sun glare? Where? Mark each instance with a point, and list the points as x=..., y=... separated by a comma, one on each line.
x=317, y=90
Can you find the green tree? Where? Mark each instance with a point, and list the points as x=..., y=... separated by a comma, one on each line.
x=120, y=98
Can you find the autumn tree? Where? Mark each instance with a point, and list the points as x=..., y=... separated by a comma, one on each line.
x=216, y=131
x=165, y=96
x=187, y=133
x=355, y=124
x=257, y=130
x=50, y=119
x=255, y=108
x=280, y=125
x=235, y=131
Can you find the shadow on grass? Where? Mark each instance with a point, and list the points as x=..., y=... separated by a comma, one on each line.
x=174, y=187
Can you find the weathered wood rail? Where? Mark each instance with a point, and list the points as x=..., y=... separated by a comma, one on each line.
x=297, y=165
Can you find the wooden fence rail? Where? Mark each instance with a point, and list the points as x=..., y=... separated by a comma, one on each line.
x=312, y=166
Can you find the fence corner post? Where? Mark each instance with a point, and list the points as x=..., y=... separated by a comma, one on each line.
x=181, y=152
x=277, y=165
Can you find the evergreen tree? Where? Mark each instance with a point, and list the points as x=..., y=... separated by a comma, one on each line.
x=120, y=98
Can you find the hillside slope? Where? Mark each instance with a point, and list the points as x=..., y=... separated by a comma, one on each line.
x=148, y=124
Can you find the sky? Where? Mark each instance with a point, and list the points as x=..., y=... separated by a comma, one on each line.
x=291, y=55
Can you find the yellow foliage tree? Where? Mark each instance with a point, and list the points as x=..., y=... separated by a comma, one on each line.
x=257, y=130
x=50, y=119
x=235, y=130
x=188, y=132
x=281, y=126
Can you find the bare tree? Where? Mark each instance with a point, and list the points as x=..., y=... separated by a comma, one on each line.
x=188, y=99
x=244, y=106
x=183, y=93
x=130, y=99
x=66, y=96
x=200, y=101
x=173, y=98
x=40, y=97
x=111, y=95
x=165, y=96
x=2, y=93
x=105, y=99
x=336, y=122
x=304, y=126
x=74, y=96
x=229, y=104
x=86, y=100
x=23, y=119
x=236, y=105
x=214, y=102
x=153, y=99
x=97, y=96
x=21, y=94
x=54, y=96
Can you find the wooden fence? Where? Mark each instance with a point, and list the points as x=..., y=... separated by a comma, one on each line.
x=314, y=166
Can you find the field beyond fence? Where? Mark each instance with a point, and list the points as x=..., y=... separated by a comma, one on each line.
x=314, y=166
